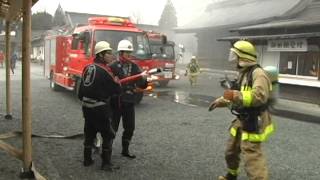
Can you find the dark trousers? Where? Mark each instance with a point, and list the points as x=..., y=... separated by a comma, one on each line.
x=127, y=113
x=98, y=119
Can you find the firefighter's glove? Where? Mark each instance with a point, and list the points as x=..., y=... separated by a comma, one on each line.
x=186, y=73
x=220, y=102
x=231, y=95
x=144, y=74
x=116, y=79
x=152, y=78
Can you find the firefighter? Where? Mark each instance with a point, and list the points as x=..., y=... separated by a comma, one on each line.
x=97, y=86
x=123, y=106
x=14, y=59
x=249, y=101
x=193, y=71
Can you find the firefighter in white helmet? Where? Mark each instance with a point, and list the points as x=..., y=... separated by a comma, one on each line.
x=98, y=85
x=123, y=68
x=249, y=101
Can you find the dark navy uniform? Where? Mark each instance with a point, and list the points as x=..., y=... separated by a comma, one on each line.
x=97, y=87
x=123, y=106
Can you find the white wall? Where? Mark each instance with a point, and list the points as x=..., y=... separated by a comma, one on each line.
x=38, y=53
x=268, y=58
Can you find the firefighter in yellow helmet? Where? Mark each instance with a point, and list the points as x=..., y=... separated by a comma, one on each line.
x=193, y=71
x=248, y=101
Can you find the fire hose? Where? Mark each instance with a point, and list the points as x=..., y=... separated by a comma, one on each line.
x=137, y=76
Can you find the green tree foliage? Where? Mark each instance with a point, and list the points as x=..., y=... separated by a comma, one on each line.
x=59, y=18
x=41, y=21
x=168, y=19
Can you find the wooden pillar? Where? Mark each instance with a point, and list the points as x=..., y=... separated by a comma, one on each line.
x=26, y=95
x=8, y=67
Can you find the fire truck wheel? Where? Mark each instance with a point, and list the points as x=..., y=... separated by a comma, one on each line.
x=139, y=97
x=163, y=83
x=53, y=85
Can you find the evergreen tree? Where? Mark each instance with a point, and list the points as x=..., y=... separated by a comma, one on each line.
x=168, y=19
x=41, y=21
x=58, y=18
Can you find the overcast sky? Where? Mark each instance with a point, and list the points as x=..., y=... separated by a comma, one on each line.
x=149, y=11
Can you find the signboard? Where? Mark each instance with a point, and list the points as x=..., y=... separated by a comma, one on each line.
x=288, y=45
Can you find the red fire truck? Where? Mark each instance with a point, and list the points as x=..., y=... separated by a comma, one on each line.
x=163, y=56
x=66, y=56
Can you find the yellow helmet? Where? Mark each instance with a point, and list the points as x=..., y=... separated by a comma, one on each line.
x=245, y=50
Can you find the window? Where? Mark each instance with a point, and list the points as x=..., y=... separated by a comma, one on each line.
x=299, y=63
x=82, y=41
x=163, y=51
x=138, y=40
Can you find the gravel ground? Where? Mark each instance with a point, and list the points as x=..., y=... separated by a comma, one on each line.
x=171, y=141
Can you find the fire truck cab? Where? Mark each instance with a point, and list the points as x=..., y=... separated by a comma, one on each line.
x=66, y=56
x=163, y=56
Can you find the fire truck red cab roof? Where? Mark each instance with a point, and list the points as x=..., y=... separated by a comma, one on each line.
x=110, y=23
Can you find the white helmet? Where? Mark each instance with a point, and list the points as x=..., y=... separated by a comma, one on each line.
x=102, y=46
x=125, y=45
x=193, y=57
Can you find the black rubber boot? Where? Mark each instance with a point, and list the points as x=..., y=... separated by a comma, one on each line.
x=228, y=177
x=106, y=161
x=125, y=150
x=88, y=161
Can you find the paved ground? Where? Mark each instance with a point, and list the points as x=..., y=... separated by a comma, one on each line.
x=174, y=139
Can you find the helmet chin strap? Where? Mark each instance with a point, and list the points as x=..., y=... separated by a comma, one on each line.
x=100, y=59
x=240, y=68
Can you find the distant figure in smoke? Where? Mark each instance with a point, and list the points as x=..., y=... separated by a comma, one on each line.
x=14, y=59
x=181, y=52
x=193, y=71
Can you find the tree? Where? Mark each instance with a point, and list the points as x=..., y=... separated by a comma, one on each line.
x=168, y=19
x=59, y=17
x=41, y=21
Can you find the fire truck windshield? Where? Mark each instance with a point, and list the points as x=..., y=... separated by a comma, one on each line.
x=139, y=41
x=165, y=52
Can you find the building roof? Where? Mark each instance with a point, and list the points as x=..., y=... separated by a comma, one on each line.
x=148, y=27
x=230, y=13
x=11, y=10
x=310, y=16
x=282, y=24
x=268, y=37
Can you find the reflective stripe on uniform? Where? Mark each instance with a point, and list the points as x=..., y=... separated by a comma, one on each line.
x=91, y=103
x=254, y=137
x=89, y=100
x=234, y=172
x=246, y=96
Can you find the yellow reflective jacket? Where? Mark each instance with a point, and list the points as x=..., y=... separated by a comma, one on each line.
x=193, y=69
x=254, y=96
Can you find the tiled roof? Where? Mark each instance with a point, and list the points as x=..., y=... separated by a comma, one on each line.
x=242, y=12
